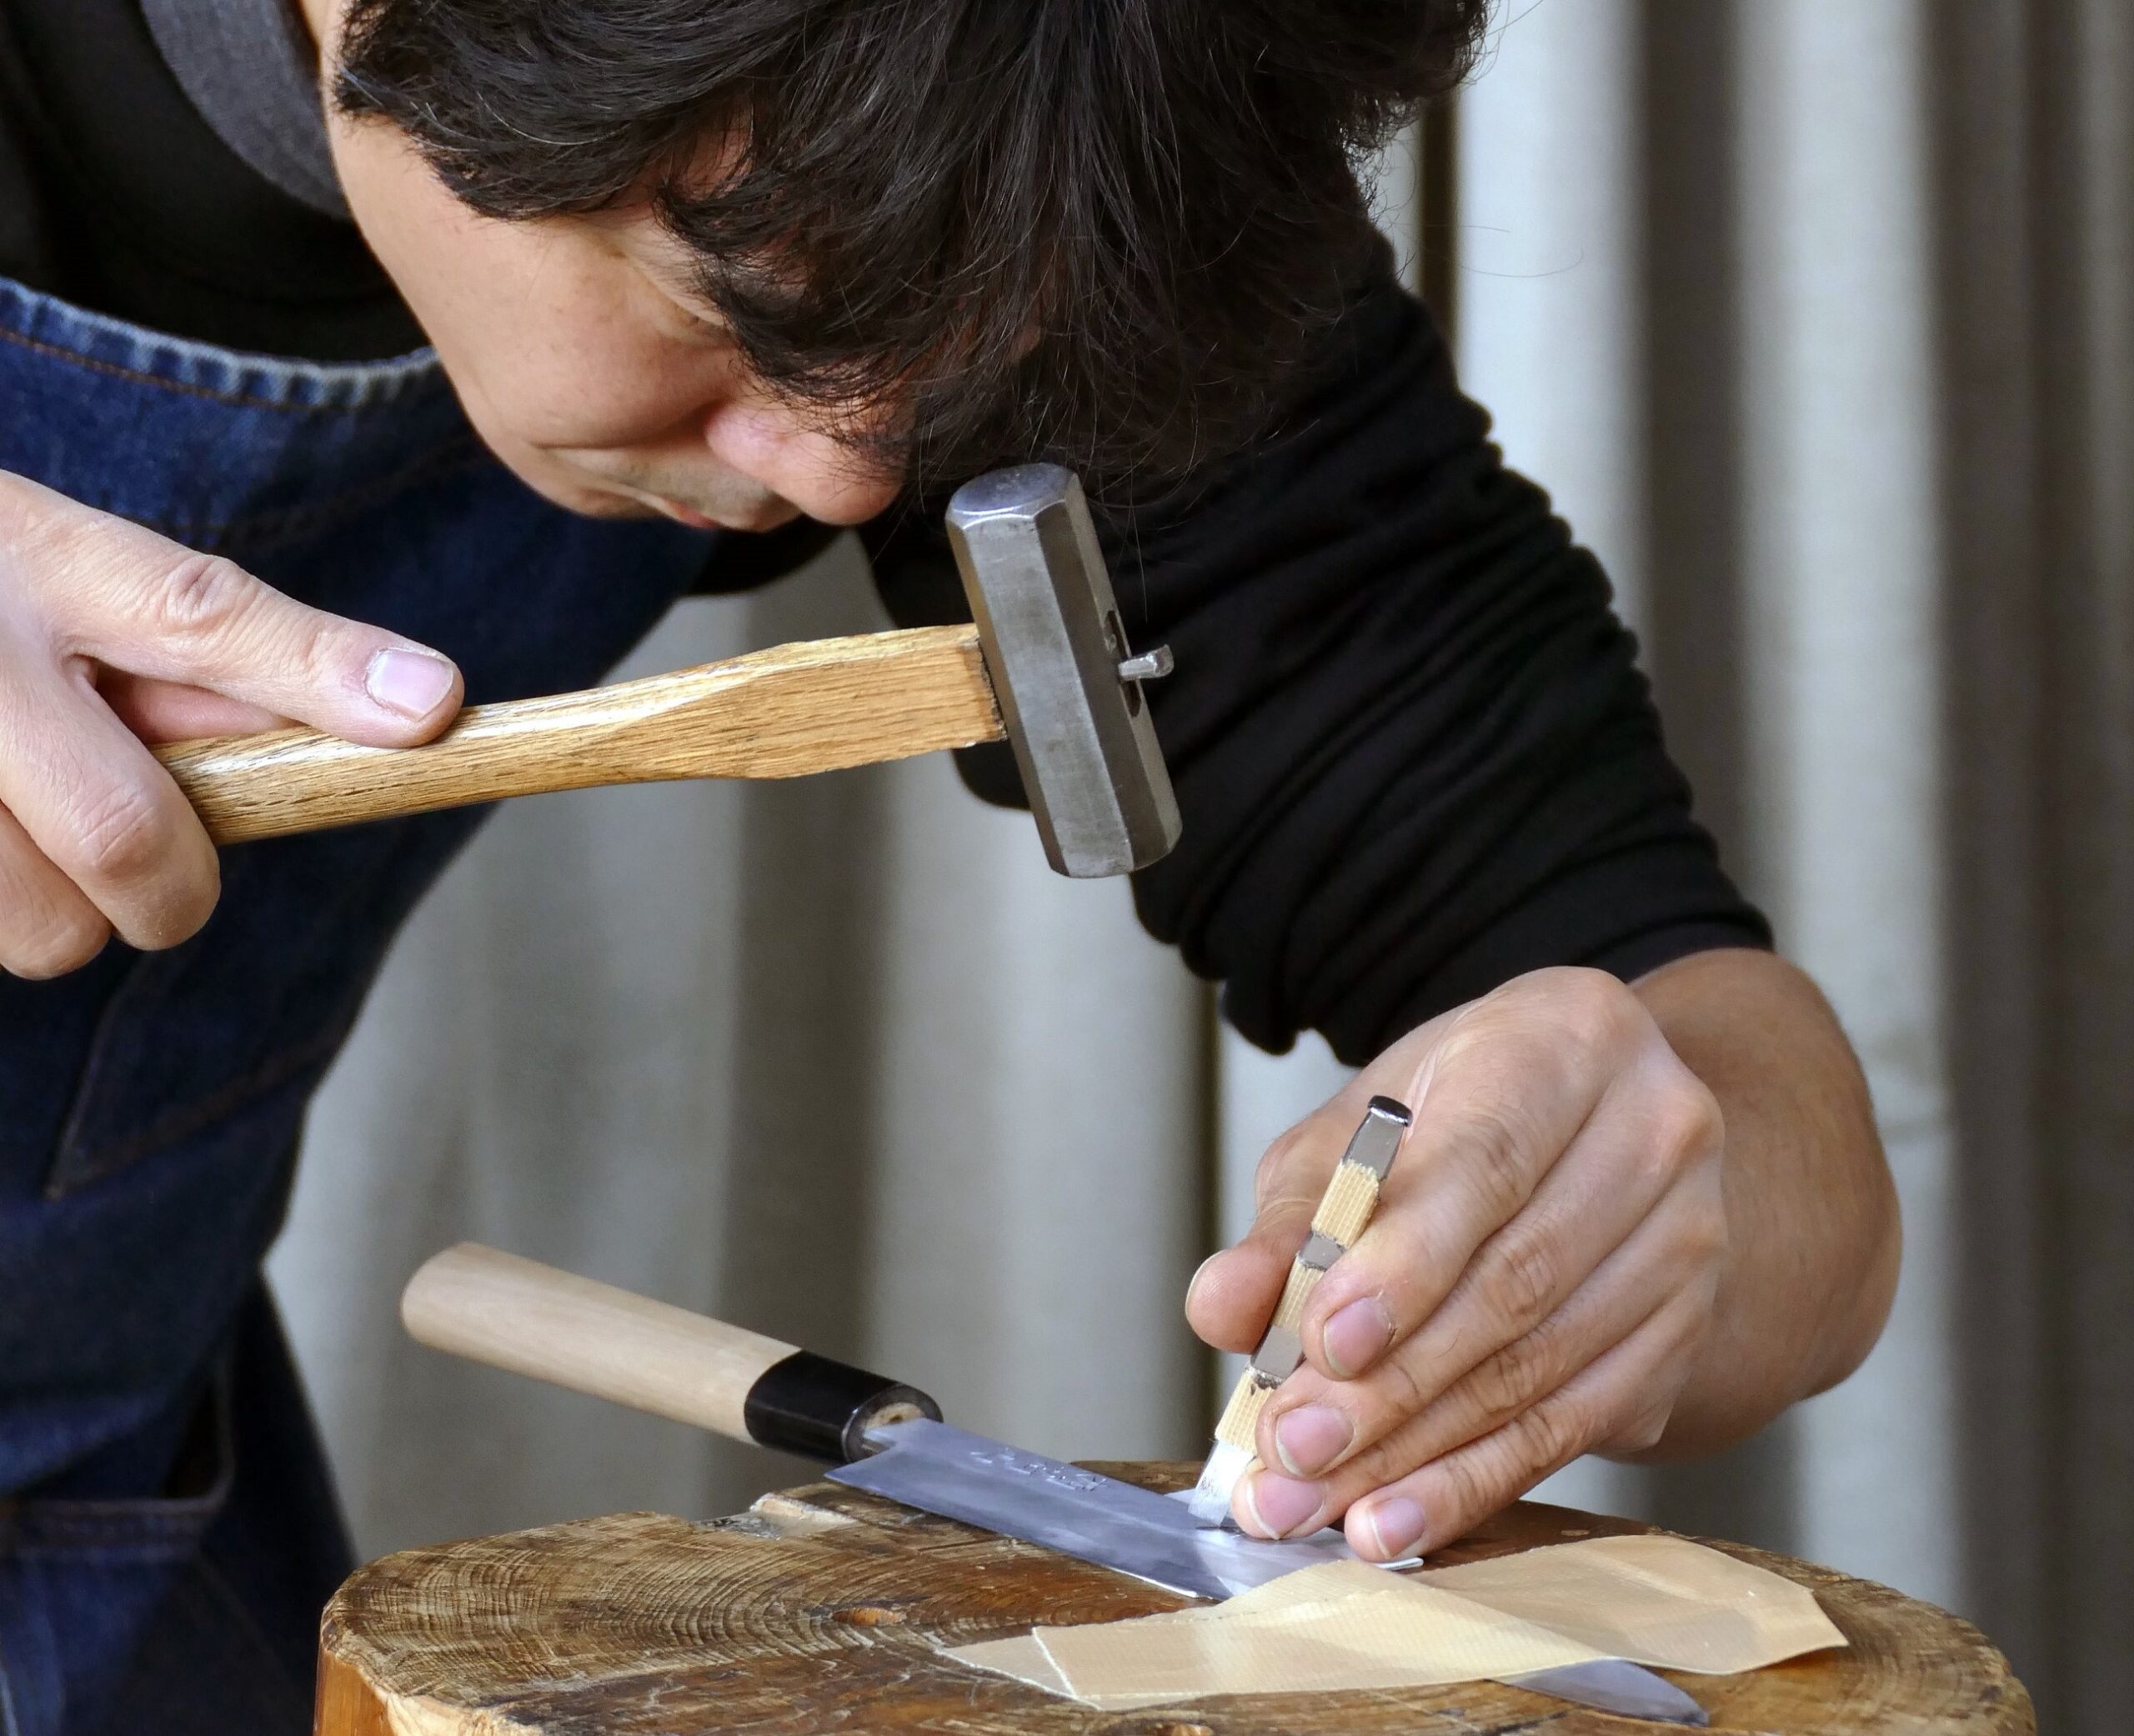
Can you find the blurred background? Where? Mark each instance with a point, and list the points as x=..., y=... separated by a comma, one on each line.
x=1817, y=317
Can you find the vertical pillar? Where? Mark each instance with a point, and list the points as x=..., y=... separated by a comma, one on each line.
x=1844, y=726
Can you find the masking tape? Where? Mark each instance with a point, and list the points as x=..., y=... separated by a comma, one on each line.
x=1420, y=1639
x=1661, y=1601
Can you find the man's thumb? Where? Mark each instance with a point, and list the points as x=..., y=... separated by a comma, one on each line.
x=205, y=622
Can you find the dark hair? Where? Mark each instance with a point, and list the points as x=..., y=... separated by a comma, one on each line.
x=1103, y=232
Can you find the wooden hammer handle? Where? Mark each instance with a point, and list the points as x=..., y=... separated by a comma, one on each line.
x=513, y=1313
x=784, y=712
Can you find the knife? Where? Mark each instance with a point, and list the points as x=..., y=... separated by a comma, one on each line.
x=881, y=1436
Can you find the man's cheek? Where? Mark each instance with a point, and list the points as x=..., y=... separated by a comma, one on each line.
x=576, y=409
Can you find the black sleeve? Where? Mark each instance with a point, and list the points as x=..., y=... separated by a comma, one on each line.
x=1412, y=749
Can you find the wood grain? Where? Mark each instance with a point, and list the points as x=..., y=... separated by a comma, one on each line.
x=786, y=712
x=821, y=1608
x=530, y=1319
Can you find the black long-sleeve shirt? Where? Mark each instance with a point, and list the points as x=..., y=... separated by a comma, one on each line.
x=1413, y=752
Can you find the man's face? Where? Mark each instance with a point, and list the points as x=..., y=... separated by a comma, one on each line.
x=585, y=362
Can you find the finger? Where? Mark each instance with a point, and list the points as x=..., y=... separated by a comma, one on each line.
x=1600, y=1316
x=162, y=711
x=1232, y=1295
x=140, y=602
x=1498, y=1100
x=1633, y=1286
x=1448, y=1498
x=46, y=927
x=1593, y=1221
x=1230, y=1300
x=101, y=809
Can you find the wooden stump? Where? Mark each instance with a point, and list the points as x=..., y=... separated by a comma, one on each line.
x=820, y=1610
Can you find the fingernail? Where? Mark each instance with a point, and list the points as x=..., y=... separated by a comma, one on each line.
x=1280, y=1504
x=1398, y=1525
x=1310, y=1438
x=1355, y=1338
x=411, y=682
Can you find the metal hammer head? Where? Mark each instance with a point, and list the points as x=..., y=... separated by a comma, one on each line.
x=1069, y=688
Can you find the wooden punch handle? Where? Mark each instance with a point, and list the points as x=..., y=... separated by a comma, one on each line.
x=784, y=712
x=517, y=1314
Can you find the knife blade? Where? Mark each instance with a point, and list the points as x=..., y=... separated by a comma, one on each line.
x=1616, y=1685
x=1075, y=1512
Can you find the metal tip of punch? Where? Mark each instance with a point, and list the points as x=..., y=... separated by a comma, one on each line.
x=1211, y=1501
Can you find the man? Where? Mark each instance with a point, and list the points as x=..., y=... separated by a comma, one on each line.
x=710, y=277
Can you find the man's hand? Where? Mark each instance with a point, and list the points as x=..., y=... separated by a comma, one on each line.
x=1556, y=1266
x=111, y=636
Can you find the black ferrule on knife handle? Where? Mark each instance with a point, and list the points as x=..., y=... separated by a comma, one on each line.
x=823, y=1409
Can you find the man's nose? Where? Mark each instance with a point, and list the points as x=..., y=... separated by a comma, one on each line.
x=780, y=449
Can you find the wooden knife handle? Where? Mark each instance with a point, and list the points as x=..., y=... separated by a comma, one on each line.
x=784, y=712
x=517, y=1314
x=495, y=1307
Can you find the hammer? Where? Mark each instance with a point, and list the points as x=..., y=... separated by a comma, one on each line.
x=1044, y=664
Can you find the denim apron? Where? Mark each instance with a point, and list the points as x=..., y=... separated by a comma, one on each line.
x=168, y=1530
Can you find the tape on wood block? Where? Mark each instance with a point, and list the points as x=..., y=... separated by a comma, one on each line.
x=1417, y=1639
x=1021, y=1657
x=1661, y=1601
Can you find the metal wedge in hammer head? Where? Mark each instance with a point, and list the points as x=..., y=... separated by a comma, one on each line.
x=1068, y=685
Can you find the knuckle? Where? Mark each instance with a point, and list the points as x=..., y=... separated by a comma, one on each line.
x=1493, y=1147
x=321, y=648
x=123, y=835
x=1517, y=1279
x=1471, y=1479
x=1560, y=1427
x=202, y=596
x=1507, y=1382
x=1584, y=1023
x=1605, y=1002
x=1398, y=1389
x=1687, y=1120
x=1705, y=1241
x=1385, y=1460
x=1554, y=1431
x=1591, y=1006
x=1643, y=1433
